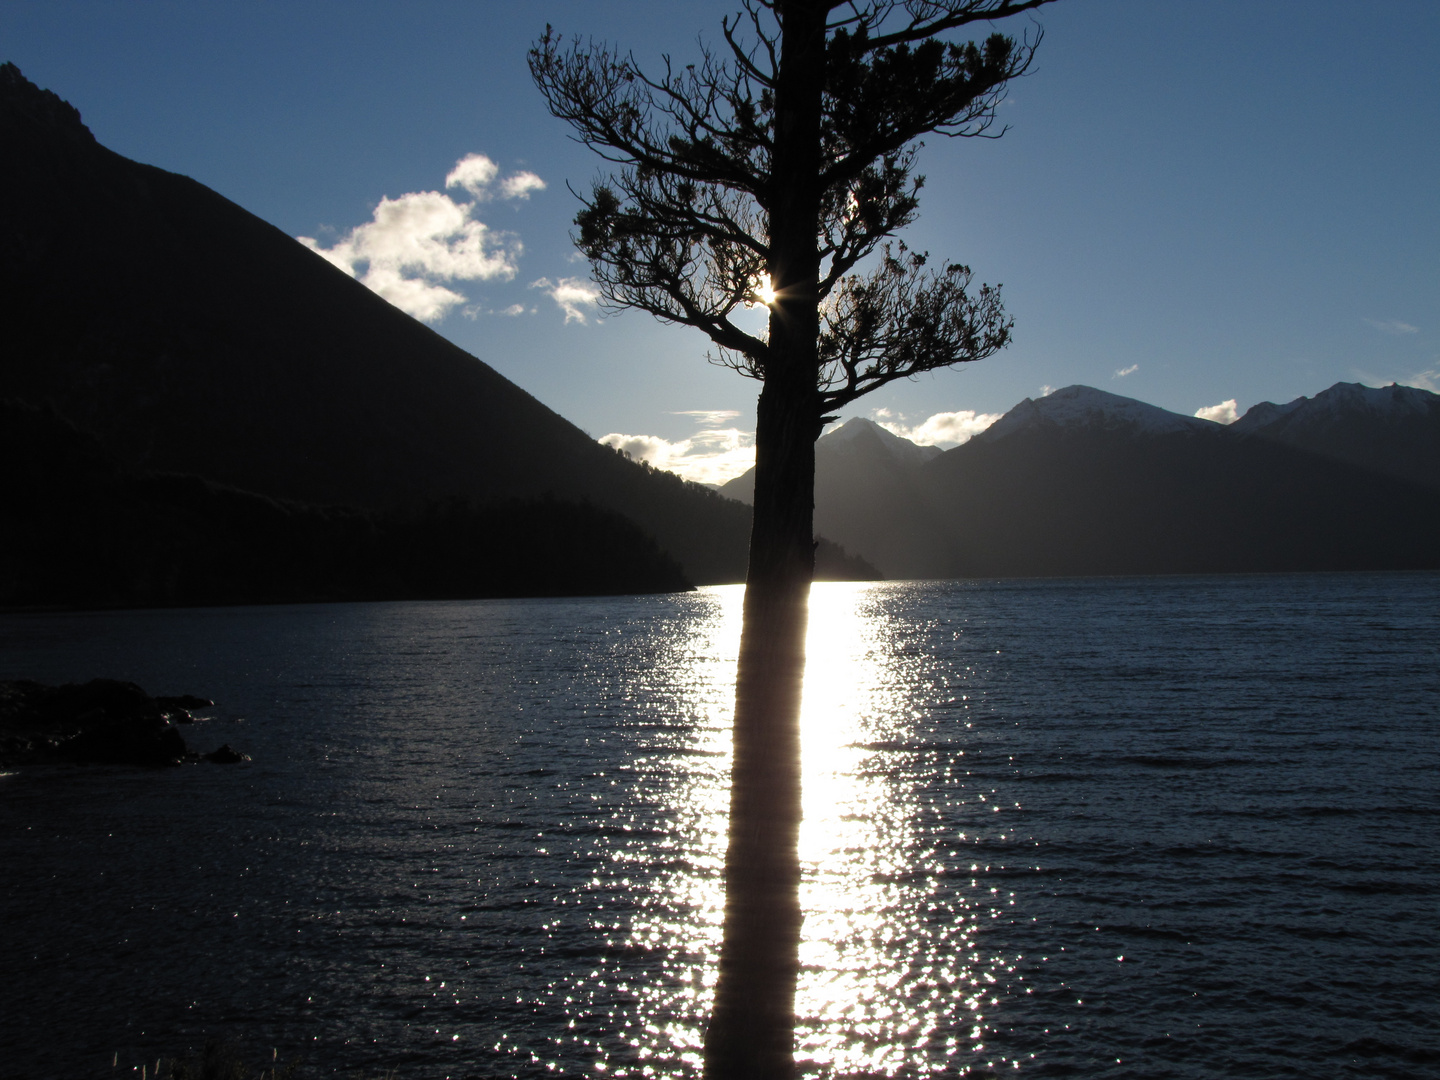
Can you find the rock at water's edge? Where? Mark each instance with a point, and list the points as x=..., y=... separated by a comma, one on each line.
x=226, y=755
x=105, y=721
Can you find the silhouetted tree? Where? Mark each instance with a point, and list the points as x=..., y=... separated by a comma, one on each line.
x=774, y=171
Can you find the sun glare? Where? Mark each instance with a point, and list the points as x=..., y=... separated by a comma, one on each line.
x=885, y=963
x=889, y=971
x=763, y=293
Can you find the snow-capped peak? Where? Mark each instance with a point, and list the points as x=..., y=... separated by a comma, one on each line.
x=1084, y=406
x=1342, y=399
x=901, y=449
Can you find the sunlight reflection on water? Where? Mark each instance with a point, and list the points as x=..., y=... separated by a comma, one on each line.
x=885, y=962
x=680, y=919
x=486, y=838
x=886, y=950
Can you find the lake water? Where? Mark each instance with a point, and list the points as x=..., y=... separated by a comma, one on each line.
x=1167, y=827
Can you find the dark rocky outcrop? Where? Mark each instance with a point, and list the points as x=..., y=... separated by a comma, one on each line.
x=104, y=721
x=226, y=755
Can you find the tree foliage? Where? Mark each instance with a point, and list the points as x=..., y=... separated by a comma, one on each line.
x=683, y=227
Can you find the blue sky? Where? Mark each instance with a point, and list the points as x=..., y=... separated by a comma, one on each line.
x=1194, y=203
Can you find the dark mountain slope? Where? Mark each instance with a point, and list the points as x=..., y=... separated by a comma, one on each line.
x=1393, y=429
x=1087, y=482
x=1098, y=495
x=82, y=531
x=190, y=336
x=869, y=494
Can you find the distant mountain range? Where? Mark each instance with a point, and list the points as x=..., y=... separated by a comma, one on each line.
x=1394, y=430
x=1087, y=482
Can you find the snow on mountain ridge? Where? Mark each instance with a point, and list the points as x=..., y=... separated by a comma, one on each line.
x=1389, y=402
x=901, y=449
x=1084, y=406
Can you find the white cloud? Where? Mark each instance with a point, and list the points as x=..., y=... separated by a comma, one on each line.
x=521, y=185
x=474, y=311
x=572, y=294
x=942, y=429
x=708, y=418
x=651, y=448
x=712, y=456
x=475, y=173
x=1046, y=390
x=1227, y=412
x=1393, y=326
x=415, y=243
x=424, y=300
x=1120, y=373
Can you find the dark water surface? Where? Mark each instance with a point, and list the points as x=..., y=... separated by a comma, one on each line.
x=1166, y=827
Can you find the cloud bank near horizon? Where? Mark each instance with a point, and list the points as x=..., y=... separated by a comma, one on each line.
x=719, y=452
x=713, y=455
x=946, y=429
x=1227, y=412
x=416, y=244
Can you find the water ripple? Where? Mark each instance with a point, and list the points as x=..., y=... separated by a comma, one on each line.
x=1148, y=827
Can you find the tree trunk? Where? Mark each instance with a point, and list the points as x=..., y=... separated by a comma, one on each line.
x=752, y=1029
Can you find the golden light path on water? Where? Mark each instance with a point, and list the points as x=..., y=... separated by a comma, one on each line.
x=892, y=982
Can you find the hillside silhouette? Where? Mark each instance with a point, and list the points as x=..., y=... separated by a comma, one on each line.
x=84, y=531
x=189, y=337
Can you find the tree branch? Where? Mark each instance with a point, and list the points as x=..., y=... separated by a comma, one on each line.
x=901, y=321
x=684, y=229
x=929, y=17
